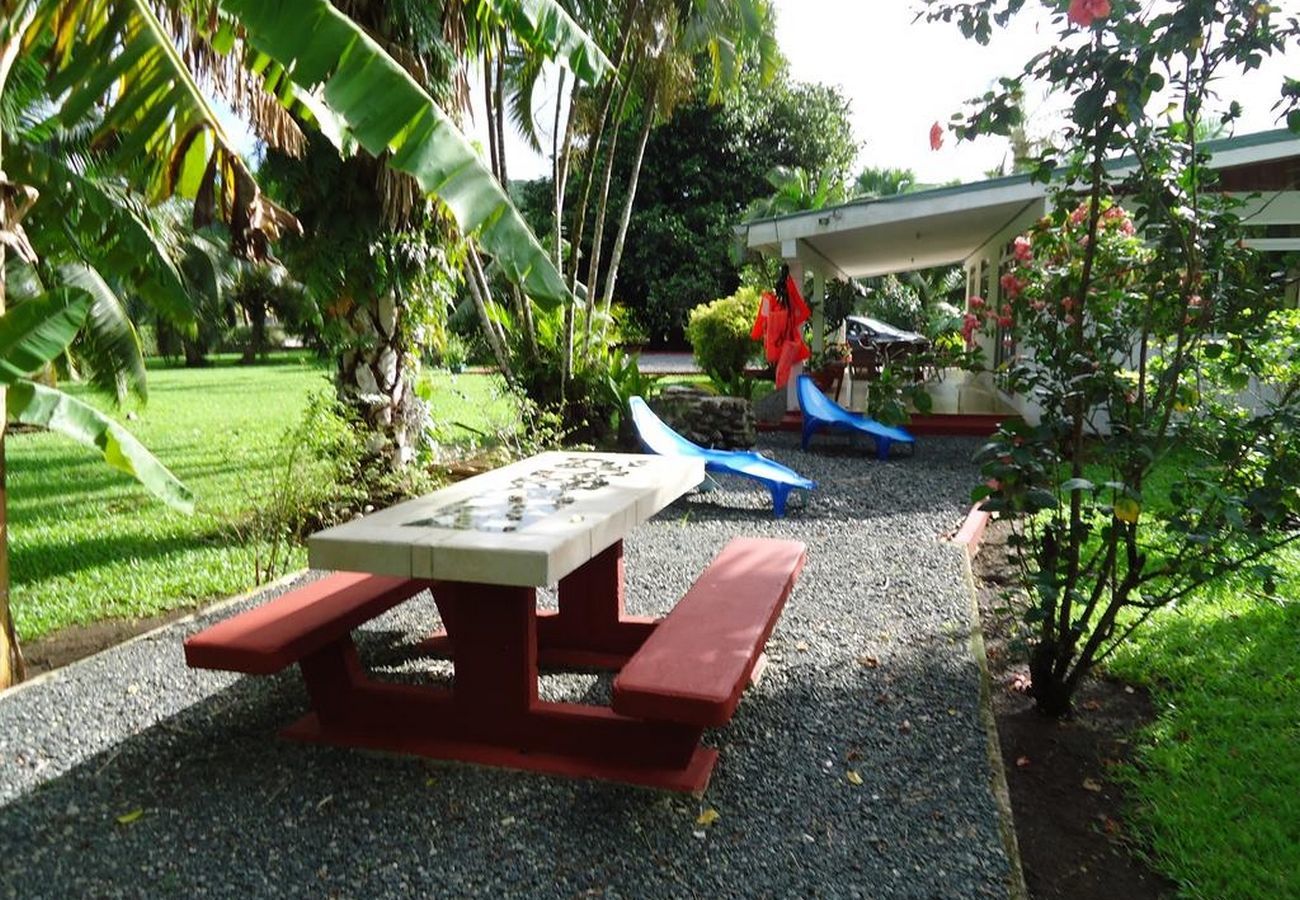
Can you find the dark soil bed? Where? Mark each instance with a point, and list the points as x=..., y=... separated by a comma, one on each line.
x=77, y=641
x=1069, y=812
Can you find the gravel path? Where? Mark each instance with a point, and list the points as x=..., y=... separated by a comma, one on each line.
x=130, y=775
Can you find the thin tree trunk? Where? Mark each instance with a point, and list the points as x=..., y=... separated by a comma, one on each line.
x=480, y=293
x=616, y=255
x=598, y=230
x=500, y=118
x=559, y=168
x=488, y=115
x=13, y=668
x=580, y=219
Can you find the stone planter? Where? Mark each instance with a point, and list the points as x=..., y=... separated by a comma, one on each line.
x=725, y=423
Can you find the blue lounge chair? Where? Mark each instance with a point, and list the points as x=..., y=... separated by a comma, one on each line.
x=820, y=411
x=659, y=438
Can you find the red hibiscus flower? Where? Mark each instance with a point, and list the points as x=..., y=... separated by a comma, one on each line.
x=936, y=136
x=1084, y=12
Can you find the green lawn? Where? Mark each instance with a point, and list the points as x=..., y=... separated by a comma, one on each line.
x=87, y=543
x=1217, y=780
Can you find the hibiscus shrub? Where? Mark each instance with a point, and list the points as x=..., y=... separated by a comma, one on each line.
x=1165, y=370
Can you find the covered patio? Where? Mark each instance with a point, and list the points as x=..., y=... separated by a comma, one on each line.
x=973, y=225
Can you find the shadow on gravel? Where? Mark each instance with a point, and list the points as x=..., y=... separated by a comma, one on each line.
x=210, y=803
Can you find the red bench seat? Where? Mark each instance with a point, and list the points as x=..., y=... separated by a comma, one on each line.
x=283, y=630
x=695, y=664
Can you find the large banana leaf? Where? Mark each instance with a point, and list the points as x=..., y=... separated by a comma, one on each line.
x=38, y=330
x=110, y=345
x=386, y=110
x=35, y=404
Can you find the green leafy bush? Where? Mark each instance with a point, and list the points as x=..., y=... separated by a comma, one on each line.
x=719, y=335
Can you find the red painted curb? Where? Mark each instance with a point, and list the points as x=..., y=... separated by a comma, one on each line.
x=972, y=530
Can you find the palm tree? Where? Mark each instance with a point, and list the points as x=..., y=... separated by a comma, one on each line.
x=795, y=190
x=118, y=62
x=883, y=182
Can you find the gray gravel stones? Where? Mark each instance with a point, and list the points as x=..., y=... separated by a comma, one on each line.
x=870, y=673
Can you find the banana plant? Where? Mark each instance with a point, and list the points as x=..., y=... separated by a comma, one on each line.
x=117, y=62
x=34, y=333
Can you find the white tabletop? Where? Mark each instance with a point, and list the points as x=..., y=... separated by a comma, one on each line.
x=528, y=523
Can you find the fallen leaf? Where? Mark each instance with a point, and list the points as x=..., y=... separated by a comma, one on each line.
x=853, y=754
x=1090, y=784
x=1018, y=683
x=1110, y=825
x=1093, y=705
x=906, y=727
x=951, y=711
x=868, y=662
x=853, y=777
x=430, y=782
x=708, y=817
x=1022, y=761
x=801, y=646
x=128, y=818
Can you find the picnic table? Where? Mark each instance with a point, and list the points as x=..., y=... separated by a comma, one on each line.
x=482, y=547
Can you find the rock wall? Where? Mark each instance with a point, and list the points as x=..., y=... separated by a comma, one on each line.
x=725, y=423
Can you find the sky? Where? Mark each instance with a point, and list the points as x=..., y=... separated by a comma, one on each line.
x=901, y=76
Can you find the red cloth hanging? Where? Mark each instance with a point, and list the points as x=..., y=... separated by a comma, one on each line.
x=781, y=329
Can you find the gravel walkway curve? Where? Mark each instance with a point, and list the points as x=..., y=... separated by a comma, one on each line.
x=130, y=775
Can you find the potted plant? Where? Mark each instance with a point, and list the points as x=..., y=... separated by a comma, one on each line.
x=827, y=366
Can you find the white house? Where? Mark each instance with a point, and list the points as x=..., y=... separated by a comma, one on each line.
x=972, y=225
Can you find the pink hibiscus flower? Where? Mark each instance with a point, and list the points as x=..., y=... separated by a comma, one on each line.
x=1084, y=12
x=936, y=136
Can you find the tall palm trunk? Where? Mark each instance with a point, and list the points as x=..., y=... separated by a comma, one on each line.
x=12, y=667
x=374, y=379
x=602, y=208
x=616, y=255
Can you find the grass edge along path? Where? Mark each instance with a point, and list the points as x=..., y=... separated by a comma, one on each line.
x=88, y=544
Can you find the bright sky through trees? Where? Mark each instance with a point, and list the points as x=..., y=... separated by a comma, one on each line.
x=903, y=75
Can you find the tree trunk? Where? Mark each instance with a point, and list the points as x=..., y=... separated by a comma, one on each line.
x=598, y=230
x=616, y=255
x=479, y=292
x=195, y=354
x=256, y=310
x=580, y=218
x=374, y=380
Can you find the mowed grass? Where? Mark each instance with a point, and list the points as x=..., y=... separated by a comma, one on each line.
x=1217, y=780
x=87, y=543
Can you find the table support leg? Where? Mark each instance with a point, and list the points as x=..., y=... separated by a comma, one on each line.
x=492, y=715
x=591, y=627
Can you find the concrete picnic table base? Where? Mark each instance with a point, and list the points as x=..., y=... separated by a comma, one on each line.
x=492, y=714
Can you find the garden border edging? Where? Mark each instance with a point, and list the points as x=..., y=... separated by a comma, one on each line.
x=967, y=539
x=214, y=606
